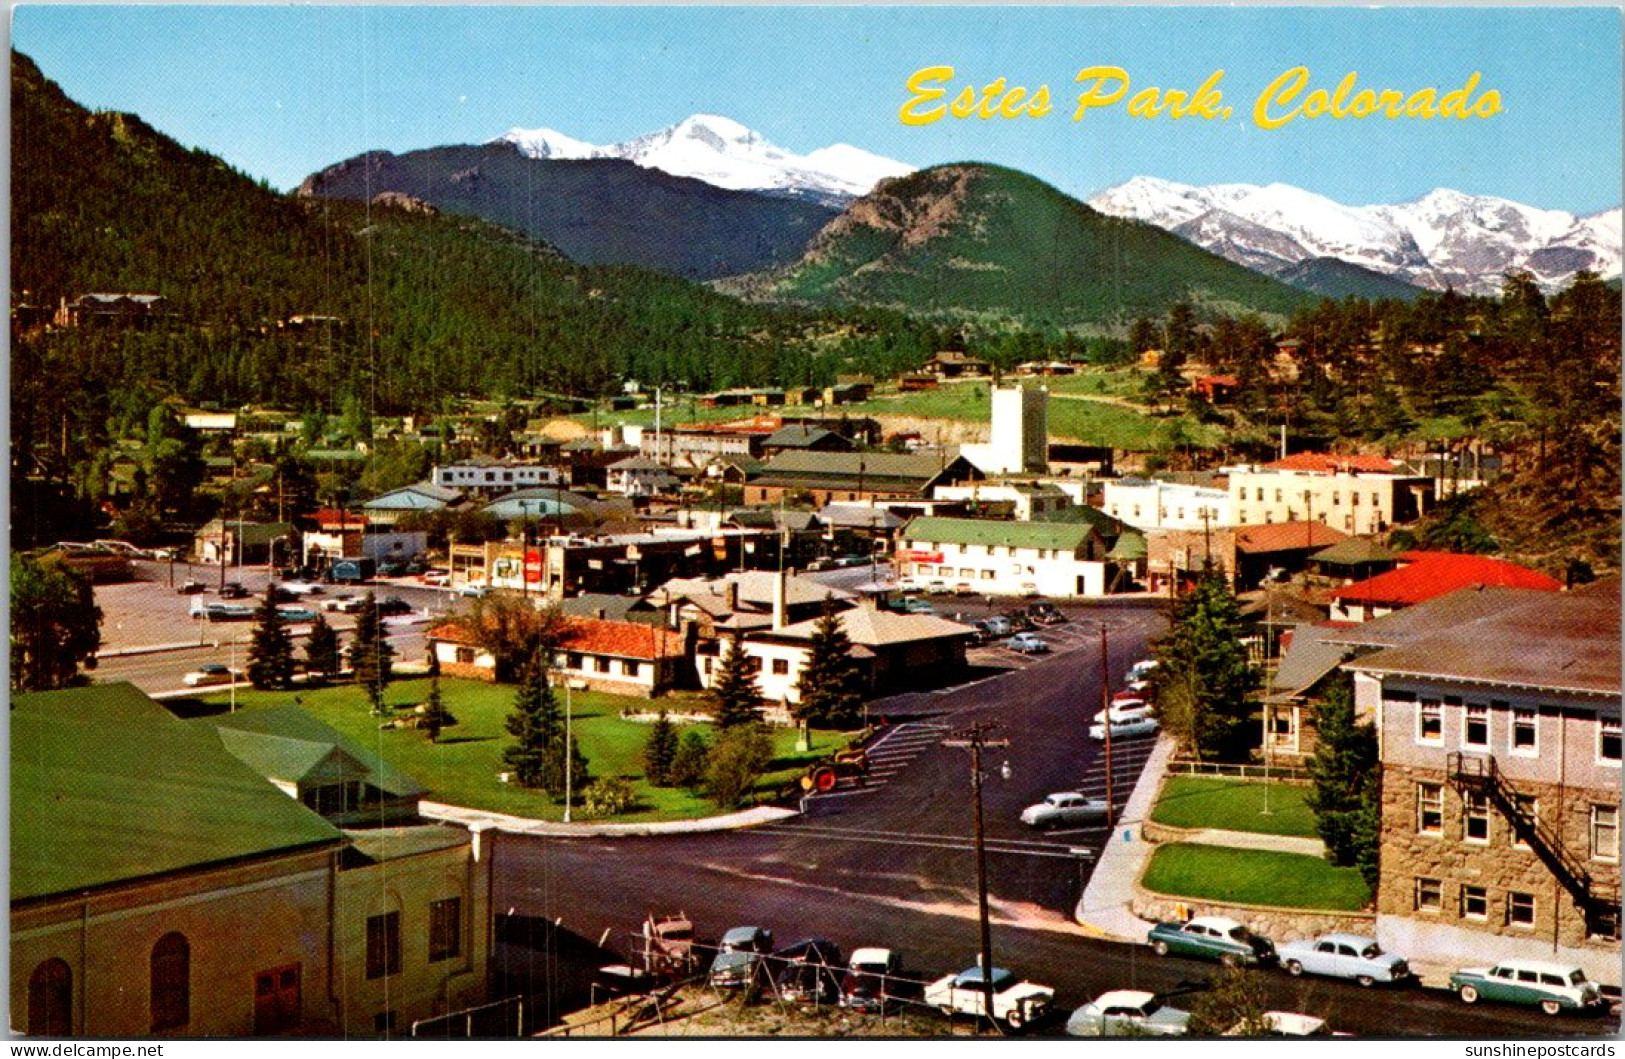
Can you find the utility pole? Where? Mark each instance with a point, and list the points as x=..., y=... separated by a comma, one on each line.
x=1106, y=704
x=976, y=739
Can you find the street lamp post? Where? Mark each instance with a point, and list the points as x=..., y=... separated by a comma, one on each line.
x=1106, y=726
x=976, y=739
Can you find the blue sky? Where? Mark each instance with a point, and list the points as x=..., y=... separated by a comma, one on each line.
x=281, y=92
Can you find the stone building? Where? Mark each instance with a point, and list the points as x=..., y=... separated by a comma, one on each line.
x=1498, y=719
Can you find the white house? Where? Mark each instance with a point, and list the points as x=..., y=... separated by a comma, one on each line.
x=1007, y=558
x=1151, y=504
x=639, y=476
x=490, y=477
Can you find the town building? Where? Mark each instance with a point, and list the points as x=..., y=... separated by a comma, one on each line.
x=1422, y=575
x=638, y=659
x=638, y=476
x=163, y=887
x=1249, y=556
x=1153, y=504
x=423, y=497
x=804, y=437
x=1019, y=442
x=484, y=476
x=830, y=477
x=234, y=542
x=1498, y=722
x=1010, y=558
x=1024, y=501
x=343, y=534
x=1352, y=494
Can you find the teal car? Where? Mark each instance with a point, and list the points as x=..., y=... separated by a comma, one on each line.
x=1553, y=987
x=1213, y=938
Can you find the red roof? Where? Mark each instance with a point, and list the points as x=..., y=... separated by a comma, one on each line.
x=1430, y=574
x=593, y=636
x=332, y=518
x=1286, y=537
x=622, y=639
x=1326, y=463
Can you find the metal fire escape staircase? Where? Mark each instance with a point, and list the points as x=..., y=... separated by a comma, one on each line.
x=1479, y=773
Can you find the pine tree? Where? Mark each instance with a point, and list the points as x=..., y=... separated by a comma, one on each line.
x=370, y=653
x=660, y=751
x=270, y=653
x=55, y=624
x=1204, y=684
x=1346, y=781
x=736, y=763
x=537, y=725
x=735, y=694
x=689, y=764
x=831, y=684
x=435, y=715
x=322, y=649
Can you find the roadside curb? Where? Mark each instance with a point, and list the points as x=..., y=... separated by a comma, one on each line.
x=520, y=825
x=151, y=649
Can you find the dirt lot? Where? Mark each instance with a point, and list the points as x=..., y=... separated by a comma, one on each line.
x=702, y=1012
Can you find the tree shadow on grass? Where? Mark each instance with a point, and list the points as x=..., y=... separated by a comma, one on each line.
x=464, y=739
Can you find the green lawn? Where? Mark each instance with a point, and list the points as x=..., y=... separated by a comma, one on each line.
x=462, y=767
x=1234, y=805
x=1254, y=877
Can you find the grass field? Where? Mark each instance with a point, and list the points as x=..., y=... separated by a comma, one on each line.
x=462, y=768
x=1254, y=877
x=1234, y=805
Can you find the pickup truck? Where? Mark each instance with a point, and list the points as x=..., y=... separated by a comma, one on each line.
x=1015, y=1003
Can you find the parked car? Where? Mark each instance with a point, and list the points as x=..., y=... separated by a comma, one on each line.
x=1019, y=622
x=300, y=588
x=1015, y=1003
x=867, y=985
x=1124, y=711
x=233, y=590
x=937, y=587
x=390, y=568
x=998, y=625
x=215, y=611
x=342, y=603
x=1295, y=1024
x=1213, y=937
x=191, y=588
x=1141, y=670
x=964, y=588
x=738, y=954
x=1125, y=729
x=1044, y=613
x=808, y=971
x=1065, y=809
x=1026, y=643
x=472, y=590
x=204, y=676
x=918, y=606
x=1553, y=987
x=393, y=605
x=1343, y=956
x=297, y=614
x=1128, y=1013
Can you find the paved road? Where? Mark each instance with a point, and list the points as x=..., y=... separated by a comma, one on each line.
x=892, y=863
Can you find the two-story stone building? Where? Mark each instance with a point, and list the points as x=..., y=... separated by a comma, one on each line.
x=1498, y=718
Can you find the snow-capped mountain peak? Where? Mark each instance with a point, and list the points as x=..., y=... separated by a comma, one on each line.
x=1445, y=238
x=727, y=154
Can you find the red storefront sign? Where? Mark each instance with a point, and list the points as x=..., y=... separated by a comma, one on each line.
x=920, y=557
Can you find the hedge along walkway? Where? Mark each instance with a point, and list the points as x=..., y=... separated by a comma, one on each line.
x=1230, y=875
x=1202, y=802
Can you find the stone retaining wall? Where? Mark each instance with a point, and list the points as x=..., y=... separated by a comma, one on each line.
x=1277, y=924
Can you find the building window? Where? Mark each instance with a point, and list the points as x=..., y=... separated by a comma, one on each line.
x=1429, y=722
x=1520, y=910
x=630, y=668
x=987, y=575
x=1608, y=740
x=1528, y=809
x=781, y=666
x=1430, y=808
x=1523, y=731
x=601, y=664
x=1476, y=733
x=1605, y=832
x=50, y=999
x=465, y=656
x=572, y=661
x=1475, y=902
x=1429, y=895
x=384, y=945
x=1475, y=817
x=1602, y=923
x=1277, y=496
x=445, y=929
x=171, y=982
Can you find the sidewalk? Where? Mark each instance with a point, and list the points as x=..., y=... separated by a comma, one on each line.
x=1103, y=910
x=519, y=825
